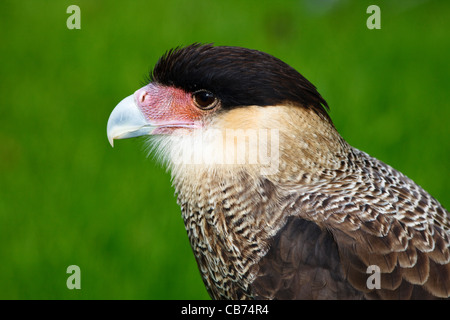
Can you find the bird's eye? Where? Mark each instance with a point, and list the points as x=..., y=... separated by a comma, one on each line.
x=204, y=99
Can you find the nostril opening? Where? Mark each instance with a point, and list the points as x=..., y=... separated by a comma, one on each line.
x=142, y=97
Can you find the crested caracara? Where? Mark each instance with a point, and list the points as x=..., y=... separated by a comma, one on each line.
x=276, y=204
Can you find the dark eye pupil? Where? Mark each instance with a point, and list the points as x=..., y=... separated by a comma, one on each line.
x=204, y=99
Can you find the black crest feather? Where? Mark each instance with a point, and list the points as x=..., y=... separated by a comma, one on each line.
x=237, y=76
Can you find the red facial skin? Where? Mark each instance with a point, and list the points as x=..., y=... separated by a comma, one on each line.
x=168, y=108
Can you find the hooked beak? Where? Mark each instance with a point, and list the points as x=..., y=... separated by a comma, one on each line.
x=127, y=121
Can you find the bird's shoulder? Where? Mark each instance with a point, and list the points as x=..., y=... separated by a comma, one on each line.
x=374, y=217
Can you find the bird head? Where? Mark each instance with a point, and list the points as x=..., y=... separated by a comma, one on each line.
x=198, y=93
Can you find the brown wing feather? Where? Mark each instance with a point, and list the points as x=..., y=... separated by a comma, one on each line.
x=383, y=219
x=302, y=263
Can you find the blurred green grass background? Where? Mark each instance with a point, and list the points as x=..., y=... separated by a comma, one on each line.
x=67, y=197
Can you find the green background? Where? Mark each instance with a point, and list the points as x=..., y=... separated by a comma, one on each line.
x=67, y=197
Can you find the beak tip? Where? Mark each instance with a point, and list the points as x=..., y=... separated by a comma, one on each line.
x=110, y=136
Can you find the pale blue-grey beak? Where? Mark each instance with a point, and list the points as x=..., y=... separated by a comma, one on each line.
x=127, y=121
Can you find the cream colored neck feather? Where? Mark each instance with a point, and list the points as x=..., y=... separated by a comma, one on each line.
x=281, y=143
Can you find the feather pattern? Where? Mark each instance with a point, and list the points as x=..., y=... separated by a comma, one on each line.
x=312, y=229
